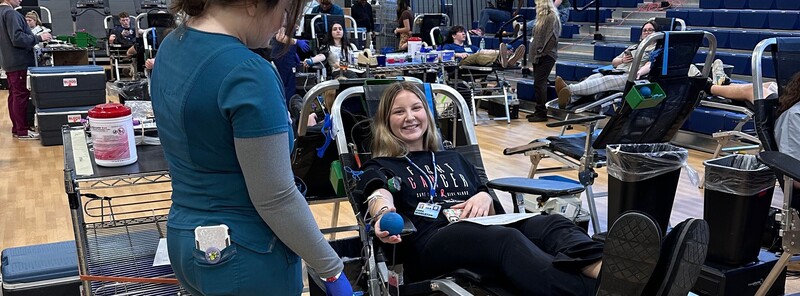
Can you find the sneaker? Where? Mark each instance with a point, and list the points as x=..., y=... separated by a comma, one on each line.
x=29, y=136
x=537, y=117
x=560, y=84
x=518, y=54
x=718, y=75
x=630, y=255
x=693, y=71
x=503, y=55
x=682, y=255
x=564, y=97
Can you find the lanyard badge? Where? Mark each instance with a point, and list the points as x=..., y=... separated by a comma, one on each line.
x=428, y=209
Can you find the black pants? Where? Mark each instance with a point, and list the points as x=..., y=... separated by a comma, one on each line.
x=541, y=71
x=542, y=255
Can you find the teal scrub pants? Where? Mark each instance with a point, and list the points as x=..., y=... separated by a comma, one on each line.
x=239, y=271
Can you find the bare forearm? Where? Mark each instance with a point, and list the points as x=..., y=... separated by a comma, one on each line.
x=378, y=200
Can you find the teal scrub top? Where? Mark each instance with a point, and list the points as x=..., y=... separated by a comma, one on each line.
x=208, y=89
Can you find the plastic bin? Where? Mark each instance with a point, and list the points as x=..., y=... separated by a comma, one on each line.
x=738, y=192
x=643, y=177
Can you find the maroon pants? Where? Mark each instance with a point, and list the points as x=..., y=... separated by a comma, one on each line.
x=18, y=95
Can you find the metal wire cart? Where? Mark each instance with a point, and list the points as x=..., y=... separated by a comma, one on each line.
x=119, y=216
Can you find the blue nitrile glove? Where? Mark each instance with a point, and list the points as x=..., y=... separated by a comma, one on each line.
x=339, y=287
x=303, y=44
x=309, y=62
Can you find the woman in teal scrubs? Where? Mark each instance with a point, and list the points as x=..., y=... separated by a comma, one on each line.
x=226, y=134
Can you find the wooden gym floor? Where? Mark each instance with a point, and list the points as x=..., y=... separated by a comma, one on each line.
x=34, y=209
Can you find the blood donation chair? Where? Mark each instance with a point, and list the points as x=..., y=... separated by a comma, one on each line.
x=371, y=271
x=786, y=58
x=670, y=64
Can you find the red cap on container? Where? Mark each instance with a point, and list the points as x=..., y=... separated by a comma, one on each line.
x=414, y=39
x=110, y=110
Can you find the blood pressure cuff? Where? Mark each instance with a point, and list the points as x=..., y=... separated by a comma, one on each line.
x=371, y=180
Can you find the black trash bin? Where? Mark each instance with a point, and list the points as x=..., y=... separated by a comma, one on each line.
x=738, y=193
x=643, y=177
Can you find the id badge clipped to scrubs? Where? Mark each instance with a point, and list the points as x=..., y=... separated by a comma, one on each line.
x=428, y=210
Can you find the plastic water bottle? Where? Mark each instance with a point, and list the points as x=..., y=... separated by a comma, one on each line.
x=483, y=44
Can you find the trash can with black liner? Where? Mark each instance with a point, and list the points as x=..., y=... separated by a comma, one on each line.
x=738, y=193
x=643, y=177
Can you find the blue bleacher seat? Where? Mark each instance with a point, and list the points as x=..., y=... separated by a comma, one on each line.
x=710, y=4
x=628, y=3
x=762, y=4
x=707, y=120
x=679, y=13
x=735, y=4
x=783, y=20
x=700, y=17
x=583, y=70
x=566, y=70
x=604, y=52
x=787, y=4
x=604, y=15
x=525, y=89
x=753, y=20
x=636, y=32
x=722, y=37
x=767, y=67
x=740, y=61
x=745, y=40
x=700, y=57
x=726, y=18
x=528, y=12
x=531, y=3
x=578, y=16
x=609, y=3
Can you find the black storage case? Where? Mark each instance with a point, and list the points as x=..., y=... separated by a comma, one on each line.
x=67, y=86
x=718, y=279
x=51, y=121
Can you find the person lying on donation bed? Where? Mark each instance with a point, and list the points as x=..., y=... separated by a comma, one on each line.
x=472, y=55
x=539, y=255
x=338, y=52
x=613, y=81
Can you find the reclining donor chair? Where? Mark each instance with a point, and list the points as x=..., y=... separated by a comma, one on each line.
x=670, y=64
x=786, y=59
x=371, y=273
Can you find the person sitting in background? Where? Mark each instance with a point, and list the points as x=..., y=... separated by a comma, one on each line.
x=123, y=34
x=335, y=49
x=472, y=55
x=326, y=6
x=500, y=13
x=599, y=82
x=32, y=18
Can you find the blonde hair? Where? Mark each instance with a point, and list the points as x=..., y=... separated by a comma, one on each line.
x=384, y=142
x=545, y=8
x=34, y=16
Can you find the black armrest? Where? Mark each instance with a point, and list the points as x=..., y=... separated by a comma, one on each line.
x=781, y=162
x=581, y=120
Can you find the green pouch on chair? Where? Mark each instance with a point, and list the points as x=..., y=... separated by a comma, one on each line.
x=337, y=178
